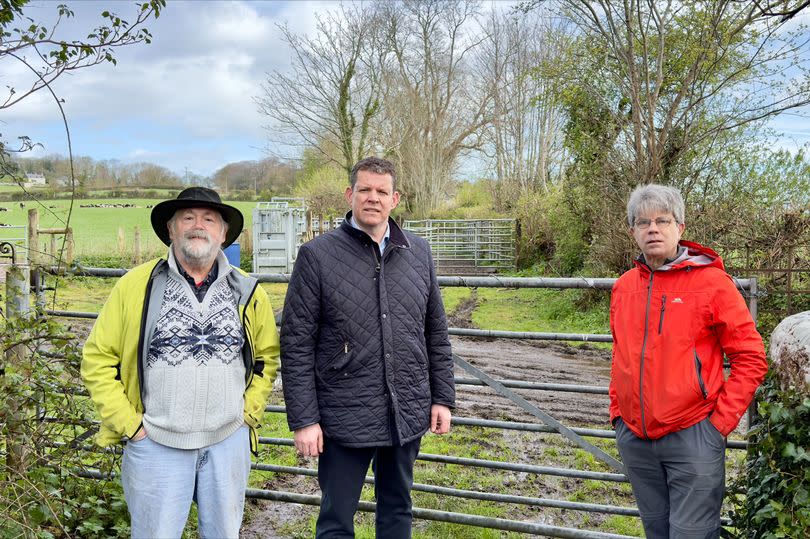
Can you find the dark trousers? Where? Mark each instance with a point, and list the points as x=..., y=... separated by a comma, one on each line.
x=341, y=471
x=678, y=480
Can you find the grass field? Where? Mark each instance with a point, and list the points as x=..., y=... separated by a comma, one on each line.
x=95, y=230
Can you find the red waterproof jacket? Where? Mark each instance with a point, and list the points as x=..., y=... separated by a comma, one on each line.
x=671, y=328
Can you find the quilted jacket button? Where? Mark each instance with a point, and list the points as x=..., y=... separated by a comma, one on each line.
x=385, y=315
x=387, y=356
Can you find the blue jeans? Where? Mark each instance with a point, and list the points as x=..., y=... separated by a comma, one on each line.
x=160, y=483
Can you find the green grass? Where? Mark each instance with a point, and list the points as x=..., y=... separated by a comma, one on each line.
x=623, y=525
x=453, y=296
x=96, y=230
x=88, y=294
x=536, y=309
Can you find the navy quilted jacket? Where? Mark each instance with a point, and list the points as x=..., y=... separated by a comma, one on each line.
x=364, y=346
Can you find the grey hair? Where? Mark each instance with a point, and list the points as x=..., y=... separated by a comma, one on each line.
x=654, y=197
x=376, y=165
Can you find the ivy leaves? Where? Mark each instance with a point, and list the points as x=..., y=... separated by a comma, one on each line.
x=776, y=484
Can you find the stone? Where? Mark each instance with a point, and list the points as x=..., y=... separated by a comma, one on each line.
x=790, y=352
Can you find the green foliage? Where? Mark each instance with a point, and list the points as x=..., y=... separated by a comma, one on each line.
x=772, y=498
x=41, y=492
x=551, y=232
x=472, y=200
x=323, y=190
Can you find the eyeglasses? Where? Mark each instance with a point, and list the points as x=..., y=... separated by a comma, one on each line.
x=660, y=222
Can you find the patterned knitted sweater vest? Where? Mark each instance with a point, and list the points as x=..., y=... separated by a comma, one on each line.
x=194, y=375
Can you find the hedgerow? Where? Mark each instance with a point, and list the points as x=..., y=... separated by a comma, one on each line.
x=772, y=497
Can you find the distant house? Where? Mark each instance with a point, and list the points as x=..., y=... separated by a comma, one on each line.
x=34, y=179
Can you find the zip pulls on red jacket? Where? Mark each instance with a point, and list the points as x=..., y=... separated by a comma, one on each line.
x=663, y=308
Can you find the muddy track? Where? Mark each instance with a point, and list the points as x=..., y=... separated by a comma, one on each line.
x=534, y=362
x=503, y=360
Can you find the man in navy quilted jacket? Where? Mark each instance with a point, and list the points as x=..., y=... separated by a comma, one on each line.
x=365, y=358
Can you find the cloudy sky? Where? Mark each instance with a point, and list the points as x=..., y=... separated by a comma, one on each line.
x=185, y=101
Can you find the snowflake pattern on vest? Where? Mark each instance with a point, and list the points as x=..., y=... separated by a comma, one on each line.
x=199, y=332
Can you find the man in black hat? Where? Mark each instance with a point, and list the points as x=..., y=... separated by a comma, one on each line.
x=179, y=365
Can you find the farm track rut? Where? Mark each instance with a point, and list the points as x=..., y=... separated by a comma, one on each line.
x=503, y=360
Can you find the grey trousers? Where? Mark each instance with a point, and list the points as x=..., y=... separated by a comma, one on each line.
x=678, y=480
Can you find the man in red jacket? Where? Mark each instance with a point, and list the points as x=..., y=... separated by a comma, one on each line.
x=673, y=318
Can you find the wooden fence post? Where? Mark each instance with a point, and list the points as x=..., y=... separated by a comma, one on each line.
x=54, y=252
x=69, y=247
x=246, y=242
x=17, y=306
x=137, y=245
x=33, y=237
x=789, y=283
x=122, y=244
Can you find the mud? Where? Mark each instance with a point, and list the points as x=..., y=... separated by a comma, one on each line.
x=534, y=362
x=503, y=360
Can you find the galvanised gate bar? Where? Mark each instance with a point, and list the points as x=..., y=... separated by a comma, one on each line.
x=505, y=388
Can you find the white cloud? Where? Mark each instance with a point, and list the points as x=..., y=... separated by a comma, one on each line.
x=194, y=82
x=140, y=153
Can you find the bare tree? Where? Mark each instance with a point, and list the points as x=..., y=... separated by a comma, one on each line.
x=688, y=72
x=331, y=93
x=266, y=174
x=524, y=140
x=49, y=56
x=435, y=105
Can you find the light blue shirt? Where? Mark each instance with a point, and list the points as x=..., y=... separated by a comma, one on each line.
x=384, y=243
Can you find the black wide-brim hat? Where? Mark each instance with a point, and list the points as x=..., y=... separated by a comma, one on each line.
x=196, y=197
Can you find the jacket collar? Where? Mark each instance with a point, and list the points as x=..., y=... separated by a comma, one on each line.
x=397, y=237
x=690, y=255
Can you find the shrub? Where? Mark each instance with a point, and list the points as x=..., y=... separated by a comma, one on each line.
x=772, y=497
x=43, y=493
x=550, y=232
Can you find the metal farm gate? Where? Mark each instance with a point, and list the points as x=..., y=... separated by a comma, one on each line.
x=468, y=246
x=458, y=246
x=518, y=392
x=280, y=227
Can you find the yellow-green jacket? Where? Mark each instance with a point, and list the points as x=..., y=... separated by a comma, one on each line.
x=113, y=356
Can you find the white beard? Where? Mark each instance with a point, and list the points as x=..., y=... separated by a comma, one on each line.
x=196, y=253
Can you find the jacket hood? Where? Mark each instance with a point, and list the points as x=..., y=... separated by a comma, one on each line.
x=690, y=255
